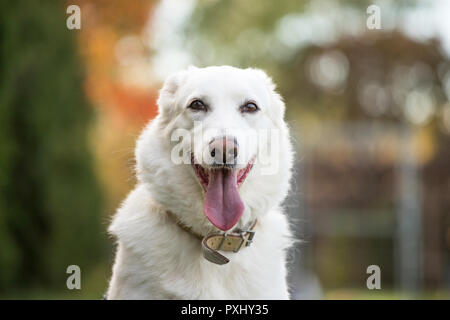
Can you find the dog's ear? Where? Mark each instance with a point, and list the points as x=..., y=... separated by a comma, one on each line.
x=166, y=100
x=277, y=100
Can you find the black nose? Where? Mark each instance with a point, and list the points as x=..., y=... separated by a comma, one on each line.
x=224, y=150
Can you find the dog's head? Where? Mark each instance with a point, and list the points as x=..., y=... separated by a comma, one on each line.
x=219, y=147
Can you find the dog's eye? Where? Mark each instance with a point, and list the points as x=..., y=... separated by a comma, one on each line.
x=249, y=107
x=197, y=105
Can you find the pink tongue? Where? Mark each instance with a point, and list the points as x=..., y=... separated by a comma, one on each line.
x=223, y=205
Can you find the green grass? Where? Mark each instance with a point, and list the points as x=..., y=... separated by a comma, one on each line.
x=384, y=294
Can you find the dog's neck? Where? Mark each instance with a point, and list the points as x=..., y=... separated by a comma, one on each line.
x=177, y=221
x=200, y=226
x=233, y=240
x=202, y=233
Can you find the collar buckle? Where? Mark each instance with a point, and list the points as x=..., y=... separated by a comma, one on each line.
x=250, y=237
x=243, y=234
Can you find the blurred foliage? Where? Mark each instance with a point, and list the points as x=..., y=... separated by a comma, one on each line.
x=120, y=91
x=363, y=78
x=50, y=202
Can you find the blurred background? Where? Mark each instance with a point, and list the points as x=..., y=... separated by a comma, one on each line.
x=368, y=108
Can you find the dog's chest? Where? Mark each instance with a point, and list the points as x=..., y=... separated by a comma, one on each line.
x=249, y=275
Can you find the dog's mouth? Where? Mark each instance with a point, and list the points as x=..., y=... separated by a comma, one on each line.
x=203, y=174
x=223, y=205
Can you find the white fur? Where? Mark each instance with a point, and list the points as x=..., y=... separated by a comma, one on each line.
x=156, y=259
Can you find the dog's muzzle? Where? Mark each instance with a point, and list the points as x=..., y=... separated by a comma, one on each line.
x=223, y=151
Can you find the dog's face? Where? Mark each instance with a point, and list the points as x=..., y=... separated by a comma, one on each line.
x=219, y=146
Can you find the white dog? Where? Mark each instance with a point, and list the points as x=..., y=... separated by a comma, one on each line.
x=201, y=171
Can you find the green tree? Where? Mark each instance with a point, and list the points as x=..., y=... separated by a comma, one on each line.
x=50, y=202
